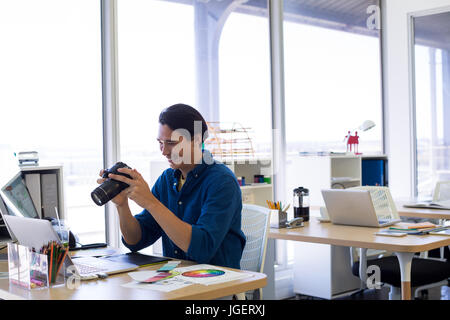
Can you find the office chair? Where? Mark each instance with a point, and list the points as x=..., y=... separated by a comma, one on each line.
x=425, y=273
x=441, y=191
x=255, y=225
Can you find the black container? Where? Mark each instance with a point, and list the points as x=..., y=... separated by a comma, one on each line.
x=110, y=187
x=301, y=203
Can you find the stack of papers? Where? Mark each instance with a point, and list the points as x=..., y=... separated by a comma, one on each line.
x=420, y=228
x=408, y=226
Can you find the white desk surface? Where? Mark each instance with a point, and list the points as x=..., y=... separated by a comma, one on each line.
x=421, y=212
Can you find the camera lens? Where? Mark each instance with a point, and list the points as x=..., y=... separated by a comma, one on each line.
x=99, y=196
x=110, y=187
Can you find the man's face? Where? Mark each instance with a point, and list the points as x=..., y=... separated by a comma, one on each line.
x=174, y=146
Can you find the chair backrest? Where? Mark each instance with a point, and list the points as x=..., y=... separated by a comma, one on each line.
x=441, y=191
x=385, y=209
x=255, y=225
x=382, y=201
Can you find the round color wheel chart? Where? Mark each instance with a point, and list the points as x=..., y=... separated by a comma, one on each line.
x=205, y=273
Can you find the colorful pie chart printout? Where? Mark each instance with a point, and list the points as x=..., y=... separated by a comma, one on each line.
x=204, y=273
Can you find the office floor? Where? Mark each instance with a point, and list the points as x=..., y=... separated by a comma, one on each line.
x=438, y=293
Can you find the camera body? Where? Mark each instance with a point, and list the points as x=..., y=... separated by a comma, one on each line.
x=110, y=187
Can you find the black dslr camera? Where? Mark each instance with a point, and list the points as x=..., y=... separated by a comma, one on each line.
x=110, y=187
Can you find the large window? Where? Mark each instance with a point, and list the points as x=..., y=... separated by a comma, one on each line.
x=211, y=55
x=244, y=73
x=156, y=69
x=50, y=101
x=432, y=101
x=332, y=74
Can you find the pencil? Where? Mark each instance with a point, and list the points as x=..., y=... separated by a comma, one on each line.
x=62, y=260
x=50, y=263
x=55, y=260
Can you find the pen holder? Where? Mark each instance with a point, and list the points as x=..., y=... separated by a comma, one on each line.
x=278, y=219
x=30, y=270
x=27, y=269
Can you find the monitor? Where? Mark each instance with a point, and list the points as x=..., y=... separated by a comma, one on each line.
x=17, y=198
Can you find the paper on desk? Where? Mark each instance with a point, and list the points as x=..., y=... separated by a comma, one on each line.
x=168, y=285
x=141, y=276
x=181, y=281
x=227, y=276
x=164, y=286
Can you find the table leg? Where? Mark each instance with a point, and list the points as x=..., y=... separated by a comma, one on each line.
x=405, y=261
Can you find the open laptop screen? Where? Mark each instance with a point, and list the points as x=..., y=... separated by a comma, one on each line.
x=17, y=198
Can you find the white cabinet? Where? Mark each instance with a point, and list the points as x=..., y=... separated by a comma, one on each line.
x=322, y=270
x=322, y=172
x=46, y=187
x=252, y=192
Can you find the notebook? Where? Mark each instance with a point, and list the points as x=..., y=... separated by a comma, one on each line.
x=445, y=232
x=443, y=205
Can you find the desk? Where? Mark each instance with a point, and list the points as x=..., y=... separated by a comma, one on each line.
x=363, y=237
x=421, y=212
x=111, y=289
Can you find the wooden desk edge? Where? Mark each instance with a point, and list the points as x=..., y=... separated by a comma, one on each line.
x=259, y=280
x=215, y=291
x=423, y=215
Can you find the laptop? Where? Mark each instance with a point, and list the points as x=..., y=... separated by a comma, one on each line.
x=35, y=233
x=353, y=207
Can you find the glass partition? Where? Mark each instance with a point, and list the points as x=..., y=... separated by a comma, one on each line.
x=431, y=53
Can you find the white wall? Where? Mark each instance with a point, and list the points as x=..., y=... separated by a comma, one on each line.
x=398, y=121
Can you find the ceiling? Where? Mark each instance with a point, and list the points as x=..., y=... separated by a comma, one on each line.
x=433, y=30
x=348, y=15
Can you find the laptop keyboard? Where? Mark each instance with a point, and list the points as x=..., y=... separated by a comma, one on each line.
x=87, y=269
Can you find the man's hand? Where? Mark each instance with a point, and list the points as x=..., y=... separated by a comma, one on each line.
x=119, y=200
x=138, y=189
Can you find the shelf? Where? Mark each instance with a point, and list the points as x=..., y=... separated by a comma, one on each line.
x=256, y=186
x=344, y=180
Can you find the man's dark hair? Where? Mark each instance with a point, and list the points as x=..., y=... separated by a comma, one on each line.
x=182, y=116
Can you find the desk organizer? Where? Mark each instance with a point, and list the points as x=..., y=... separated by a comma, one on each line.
x=29, y=269
x=278, y=219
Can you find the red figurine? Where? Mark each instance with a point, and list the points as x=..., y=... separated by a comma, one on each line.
x=352, y=141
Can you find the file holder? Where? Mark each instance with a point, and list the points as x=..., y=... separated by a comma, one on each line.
x=29, y=269
x=278, y=219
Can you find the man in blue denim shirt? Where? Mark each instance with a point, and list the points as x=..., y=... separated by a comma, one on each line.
x=195, y=205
